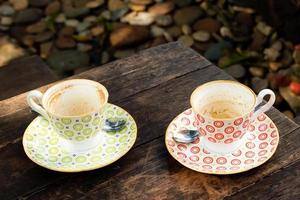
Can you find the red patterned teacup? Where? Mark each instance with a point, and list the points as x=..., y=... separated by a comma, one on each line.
x=224, y=111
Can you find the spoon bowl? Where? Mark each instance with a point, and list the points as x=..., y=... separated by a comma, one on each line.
x=185, y=136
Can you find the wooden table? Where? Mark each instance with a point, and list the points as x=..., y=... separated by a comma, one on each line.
x=154, y=86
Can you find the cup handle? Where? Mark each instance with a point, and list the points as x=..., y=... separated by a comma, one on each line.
x=36, y=95
x=263, y=108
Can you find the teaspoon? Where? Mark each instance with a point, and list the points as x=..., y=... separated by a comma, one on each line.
x=185, y=136
x=113, y=125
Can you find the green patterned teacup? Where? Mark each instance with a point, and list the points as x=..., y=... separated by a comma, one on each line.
x=74, y=108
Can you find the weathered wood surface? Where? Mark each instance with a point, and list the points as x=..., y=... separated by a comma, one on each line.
x=22, y=75
x=162, y=85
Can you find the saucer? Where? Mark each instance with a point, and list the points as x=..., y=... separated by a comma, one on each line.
x=44, y=147
x=259, y=145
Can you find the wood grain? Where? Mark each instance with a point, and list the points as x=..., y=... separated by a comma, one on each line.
x=13, y=121
x=147, y=171
x=152, y=121
x=24, y=74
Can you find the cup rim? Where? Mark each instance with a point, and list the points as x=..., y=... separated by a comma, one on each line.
x=58, y=84
x=222, y=81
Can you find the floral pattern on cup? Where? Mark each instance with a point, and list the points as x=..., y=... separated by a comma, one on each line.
x=77, y=128
x=222, y=131
x=260, y=144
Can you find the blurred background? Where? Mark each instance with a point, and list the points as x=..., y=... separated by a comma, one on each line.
x=255, y=41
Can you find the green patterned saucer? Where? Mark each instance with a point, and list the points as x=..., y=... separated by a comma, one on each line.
x=44, y=147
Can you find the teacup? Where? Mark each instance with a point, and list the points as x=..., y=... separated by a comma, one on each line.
x=73, y=107
x=224, y=111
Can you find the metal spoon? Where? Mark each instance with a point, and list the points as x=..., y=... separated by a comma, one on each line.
x=113, y=124
x=185, y=136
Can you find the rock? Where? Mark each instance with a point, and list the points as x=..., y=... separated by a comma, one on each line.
x=104, y=57
x=140, y=18
x=28, y=40
x=63, y=42
x=72, y=22
x=7, y=21
x=258, y=84
x=97, y=30
x=202, y=46
x=27, y=16
x=257, y=71
x=174, y=31
x=19, y=4
x=67, y=4
x=168, y=37
x=292, y=99
x=106, y=14
x=164, y=20
x=76, y=12
x=4, y=28
x=161, y=8
x=226, y=32
x=277, y=45
x=258, y=40
x=82, y=26
x=182, y=3
x=158, y=41
x=186, y=29
x=66, y=31
x=271, y=54
x=94, y=4
x=43, y=37
x=141, y=2
x=9, y=51
x=295, y=87
x=243, y=9
x=288, y=113
x=79, y=3
x=123, y=53
x=208, y=24
x=136, y=7
x=39, y=3
x=83, y=36
x=53, y=8
x=116, y=14
x=215, y=51
x=187, y=15
x=274, y=66
x=84, y=47
x=236, y=71
x=61, y=18
x=201, y=36
x=6, y=10
x=128, y=35
x=186, y=40
x=67, y=60
x=18, y=32
x=37, y=27
x=279, y=79
x=244, y=19
x=90, y=19
x=157, y=31
x=45, y=49
x=296, y=56
x=116, y=5
x=264, y=28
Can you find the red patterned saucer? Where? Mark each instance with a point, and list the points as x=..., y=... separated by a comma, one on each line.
x=259, y=146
